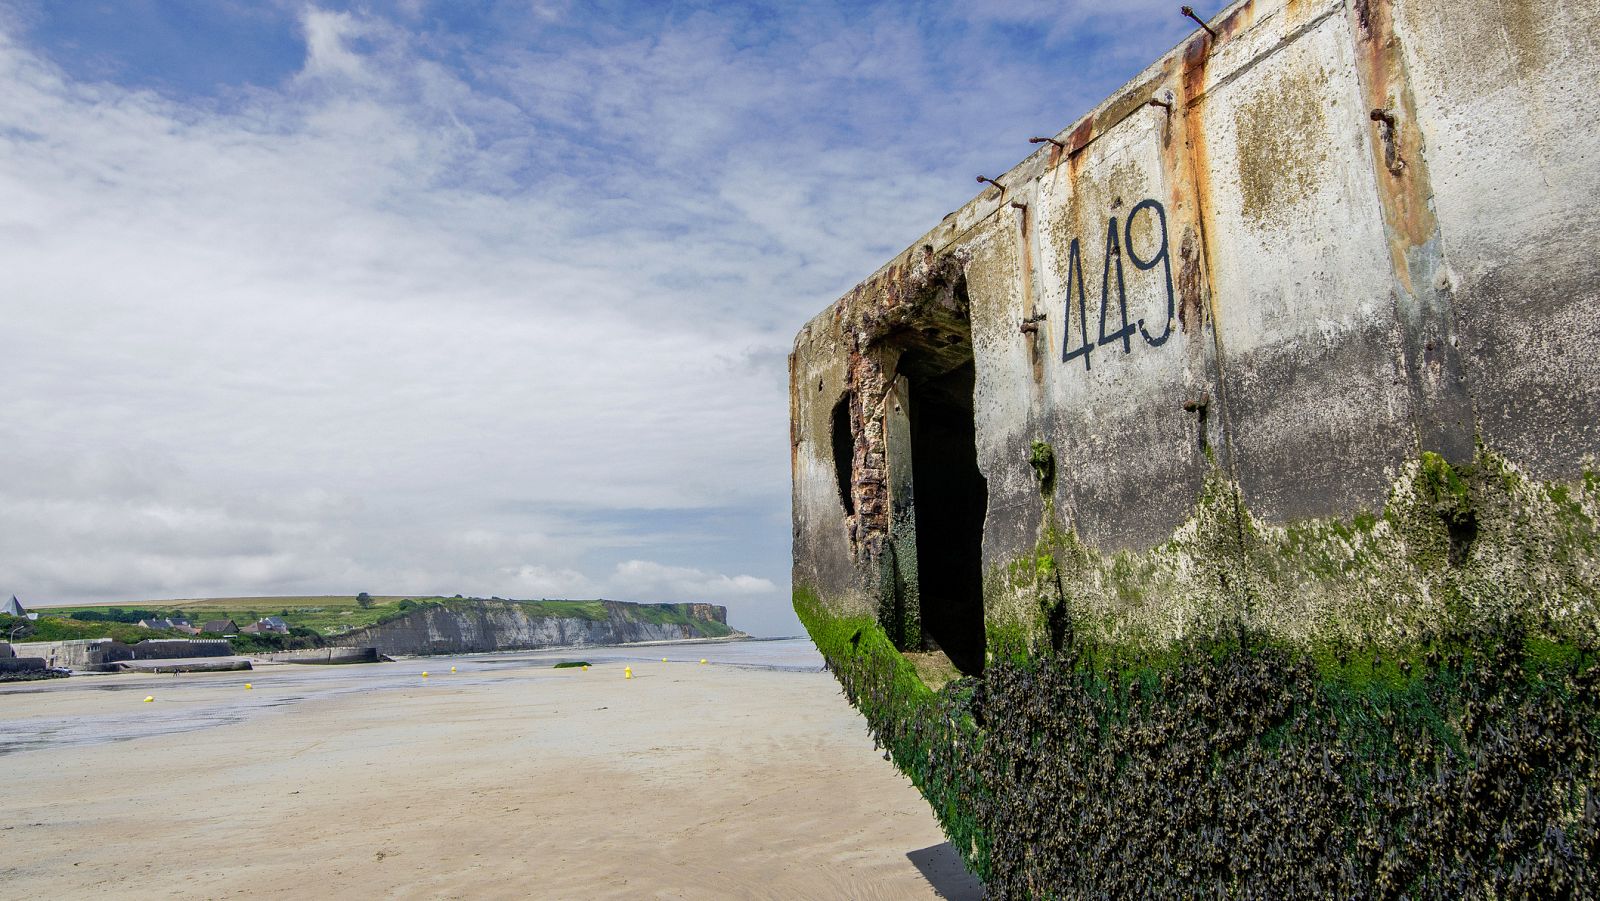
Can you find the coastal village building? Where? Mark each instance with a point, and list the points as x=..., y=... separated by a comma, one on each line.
x=1233, y=454
x=220, y=627
x=272, y=624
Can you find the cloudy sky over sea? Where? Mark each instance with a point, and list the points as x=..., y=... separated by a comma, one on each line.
x=488, y=298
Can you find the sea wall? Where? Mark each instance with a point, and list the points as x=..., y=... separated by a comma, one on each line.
x=326, y=656
x=1277, y=372
x=98, y=653
x=83, y=654
x=502, y=626
x=25, y=669
x=169, y=648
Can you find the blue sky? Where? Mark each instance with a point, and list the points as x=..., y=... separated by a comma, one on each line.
x=455, y=297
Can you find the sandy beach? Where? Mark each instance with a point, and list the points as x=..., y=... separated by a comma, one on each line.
x=505, y=779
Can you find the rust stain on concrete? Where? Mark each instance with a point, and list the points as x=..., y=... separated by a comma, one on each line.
x=1401, y=168
x=1196, y=57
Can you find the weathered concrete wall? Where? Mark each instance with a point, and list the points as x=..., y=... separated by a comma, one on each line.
x=326, y=656
x=1506, y=107
x=1344, y=233
x=85, y=654
x=97, y=653
x=173, y=648
x=21, y=664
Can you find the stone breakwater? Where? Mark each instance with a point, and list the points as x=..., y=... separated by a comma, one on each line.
x=507, y=626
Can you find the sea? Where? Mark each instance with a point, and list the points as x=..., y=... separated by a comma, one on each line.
x=308, y=682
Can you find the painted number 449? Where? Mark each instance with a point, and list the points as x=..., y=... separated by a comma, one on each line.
x=1116, y=244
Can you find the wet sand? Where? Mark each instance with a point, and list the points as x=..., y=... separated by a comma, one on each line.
x=506, y=779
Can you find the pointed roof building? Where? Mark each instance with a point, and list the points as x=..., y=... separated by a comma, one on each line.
x=13, y=607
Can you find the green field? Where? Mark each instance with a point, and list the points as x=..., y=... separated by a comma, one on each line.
x=323, y=614
x=52, y=628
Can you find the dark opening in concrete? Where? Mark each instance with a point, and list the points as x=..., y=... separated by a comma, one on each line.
x=1463, y=531
x=844, y=455
x=952, y=498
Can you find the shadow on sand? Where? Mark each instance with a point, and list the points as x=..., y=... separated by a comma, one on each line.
x=942, y=867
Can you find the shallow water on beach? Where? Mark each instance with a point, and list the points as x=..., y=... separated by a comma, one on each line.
x=791, y=654
x=291, y=684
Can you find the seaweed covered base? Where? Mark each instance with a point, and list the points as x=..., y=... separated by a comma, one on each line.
x=1234, y=767
x=1403, y=705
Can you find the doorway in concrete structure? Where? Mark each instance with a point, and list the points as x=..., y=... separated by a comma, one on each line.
x=949, y=494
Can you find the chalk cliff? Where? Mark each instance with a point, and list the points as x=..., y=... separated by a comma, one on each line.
x=476, y=626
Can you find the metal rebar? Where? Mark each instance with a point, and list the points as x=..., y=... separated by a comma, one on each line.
x=1189, y=11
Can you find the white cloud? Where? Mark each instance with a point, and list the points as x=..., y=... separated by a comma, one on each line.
x=326, y=51
x=533, y=581
x=495, y=325
x=647, y=579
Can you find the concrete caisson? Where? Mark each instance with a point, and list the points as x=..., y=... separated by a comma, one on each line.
x=1293, y=337
x=1295, y=257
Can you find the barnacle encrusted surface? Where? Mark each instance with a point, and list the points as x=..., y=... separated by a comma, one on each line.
x=1398, y=705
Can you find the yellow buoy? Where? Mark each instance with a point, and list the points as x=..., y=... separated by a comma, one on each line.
x=452, y=669
x=627, y=672
x=248, y=685
x=424, y=674
x=149, y=698
x=702, y=660
x=663, y=660
x=586, y=667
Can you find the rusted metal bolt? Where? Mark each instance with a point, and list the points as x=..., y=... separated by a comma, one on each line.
x=1030, y=325
x=1189, y=11
x=1156, y=101
x=1047, y=141
x=1388, y=133
x=984, y=178
x=1018, y=205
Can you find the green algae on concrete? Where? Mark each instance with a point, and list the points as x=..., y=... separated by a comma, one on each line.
x=1413, y=691
x=1452, y=547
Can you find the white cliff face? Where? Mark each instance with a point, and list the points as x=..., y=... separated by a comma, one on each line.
x=504, y=626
